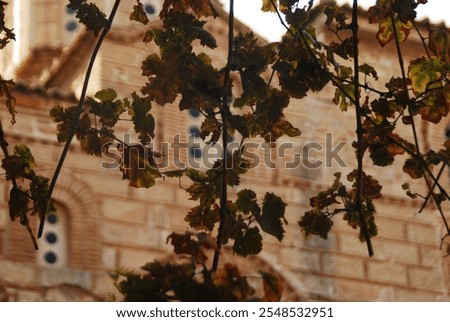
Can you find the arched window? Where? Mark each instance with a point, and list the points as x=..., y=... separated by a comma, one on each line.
x=71, y=22
x=194, y=112
x=195, y=142
x=151, y=8
x=53, y=247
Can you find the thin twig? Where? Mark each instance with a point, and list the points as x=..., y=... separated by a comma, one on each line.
x=225, y=112
x=359, y=205
x=427, y=198
x=427, y=170
x=423, y=166
x=365, y=86
x=422, y=39
x=78, y=111
x=280, y=17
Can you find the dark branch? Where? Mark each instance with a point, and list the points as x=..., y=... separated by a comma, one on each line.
x=225, y=111
x=423, y=166
x=359, y=206
x=77, y=113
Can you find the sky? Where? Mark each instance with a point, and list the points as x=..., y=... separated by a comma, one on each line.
x=268, y=25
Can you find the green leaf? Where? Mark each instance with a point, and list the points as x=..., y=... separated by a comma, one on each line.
x=342, y=96
x=248, y=242
x=106, y=95
x=272, y=217
x=427, y=80
x=24, y=152
x=139, y=14
x=424, y=74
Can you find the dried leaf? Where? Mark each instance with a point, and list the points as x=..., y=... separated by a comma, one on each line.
x=139, y=14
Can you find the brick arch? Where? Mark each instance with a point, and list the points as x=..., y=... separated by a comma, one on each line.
x=83, y=218
x=81, y=206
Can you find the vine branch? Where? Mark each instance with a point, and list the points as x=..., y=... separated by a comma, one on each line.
x=225, y=111
x=423, y=166
x=359, y=207
x=24, y=218
x=78, y=111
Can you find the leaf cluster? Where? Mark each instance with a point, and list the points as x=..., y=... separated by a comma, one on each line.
x=28, y=195
x=422, y=90
x=6, y=34
x=164, y=282
x=393, y=14
x=241, y=216
x=247, y=218
x=178, y=70
x=338, y=199
x=96, y=134
x=89, y=15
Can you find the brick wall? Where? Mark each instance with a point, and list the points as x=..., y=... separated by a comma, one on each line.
x=113, y=225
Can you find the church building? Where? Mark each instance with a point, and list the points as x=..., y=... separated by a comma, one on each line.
x=101, y=223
